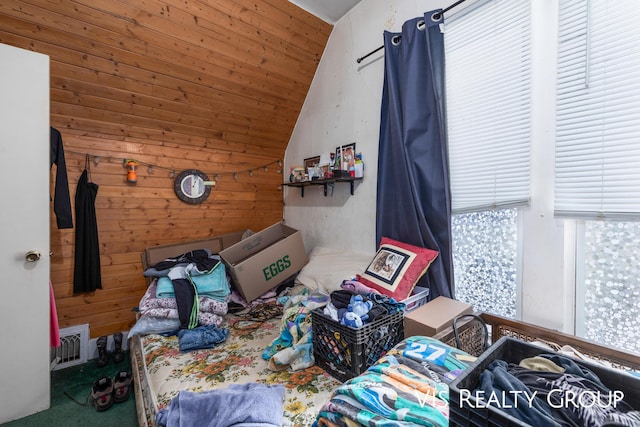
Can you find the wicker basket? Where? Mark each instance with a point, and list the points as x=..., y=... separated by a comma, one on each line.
x=471, y=338
x=469, y=333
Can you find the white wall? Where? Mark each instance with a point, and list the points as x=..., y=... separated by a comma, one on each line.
x=343, y=106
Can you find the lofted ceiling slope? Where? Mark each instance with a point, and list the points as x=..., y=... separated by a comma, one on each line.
x=328, y=10
x=224, y=74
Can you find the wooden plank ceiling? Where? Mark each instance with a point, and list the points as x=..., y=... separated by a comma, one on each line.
x=215, y=85
x=222, y=72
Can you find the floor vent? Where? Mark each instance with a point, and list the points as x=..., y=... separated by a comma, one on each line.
x=73, y=347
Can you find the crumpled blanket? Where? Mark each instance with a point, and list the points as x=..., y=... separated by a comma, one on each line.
x=239, y=405
x=406, y=387
x=210, y=310
x=294, y=347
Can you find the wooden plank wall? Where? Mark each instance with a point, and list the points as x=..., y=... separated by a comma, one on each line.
x=176, y=84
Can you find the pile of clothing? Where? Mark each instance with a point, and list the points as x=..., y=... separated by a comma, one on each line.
x=355, y=304
x=553, y=390
x=406, y=387
x=195, y=281
x=187, y=296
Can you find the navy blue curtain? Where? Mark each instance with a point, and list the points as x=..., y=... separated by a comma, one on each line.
x=413, y=195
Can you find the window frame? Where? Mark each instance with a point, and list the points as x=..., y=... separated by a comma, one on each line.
x=550, y=277
x=543, y=289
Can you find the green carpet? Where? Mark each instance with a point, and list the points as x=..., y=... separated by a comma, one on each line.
x=76, y=381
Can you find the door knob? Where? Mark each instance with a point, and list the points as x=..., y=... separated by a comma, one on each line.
x=32, y=256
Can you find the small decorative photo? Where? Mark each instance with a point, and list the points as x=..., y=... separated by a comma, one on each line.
x=387, y=265
x=297, y=174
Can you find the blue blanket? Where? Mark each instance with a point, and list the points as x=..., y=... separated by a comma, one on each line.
x=239, y=405
x=214, y=284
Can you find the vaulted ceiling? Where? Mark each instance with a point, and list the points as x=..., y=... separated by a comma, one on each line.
x=328, y=10
x=210, y=73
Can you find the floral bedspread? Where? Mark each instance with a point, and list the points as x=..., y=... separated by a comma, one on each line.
x=238, y=360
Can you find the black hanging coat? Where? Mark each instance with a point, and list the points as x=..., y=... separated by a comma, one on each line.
x=86, y=276
x=61, y=198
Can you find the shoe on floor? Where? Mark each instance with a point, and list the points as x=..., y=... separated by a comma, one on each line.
x=102, y=393
x=121, y=386
x=118, y=354
x=103, y=354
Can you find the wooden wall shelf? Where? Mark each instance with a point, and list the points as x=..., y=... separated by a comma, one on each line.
x=324, y=182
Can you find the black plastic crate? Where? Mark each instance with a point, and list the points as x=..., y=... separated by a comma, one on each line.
x=470, y=412
x=346, y=352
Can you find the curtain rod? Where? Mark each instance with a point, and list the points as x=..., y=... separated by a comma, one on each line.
x=436, y=16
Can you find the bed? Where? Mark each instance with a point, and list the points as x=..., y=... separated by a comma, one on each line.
x=312, y=396
x=161, y=371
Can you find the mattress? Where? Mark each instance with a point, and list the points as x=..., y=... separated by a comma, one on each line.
x=161, y=371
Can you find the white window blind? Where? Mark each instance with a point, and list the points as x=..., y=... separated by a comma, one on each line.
x=488, y=96
x=598, y=110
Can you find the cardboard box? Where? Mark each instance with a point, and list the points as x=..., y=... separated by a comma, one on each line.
x=155, y=254
x=264, y=260
x=434, y=316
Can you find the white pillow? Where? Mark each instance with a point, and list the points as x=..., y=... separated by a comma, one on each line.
x=328, y=267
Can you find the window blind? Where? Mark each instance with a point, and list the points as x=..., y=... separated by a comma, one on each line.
x=488, y=93
x=597, y=171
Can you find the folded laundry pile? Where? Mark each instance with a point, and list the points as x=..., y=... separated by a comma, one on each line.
x=184, y=281
x=212, y=284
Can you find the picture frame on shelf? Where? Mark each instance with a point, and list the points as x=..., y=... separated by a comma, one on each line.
x=345, y=157
x=297, y=174
x=310, y=165
x=323, y=171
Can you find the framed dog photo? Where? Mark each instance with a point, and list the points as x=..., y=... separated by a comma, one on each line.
x=387, y=265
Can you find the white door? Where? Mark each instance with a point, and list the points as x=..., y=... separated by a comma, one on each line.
x=24, y=227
